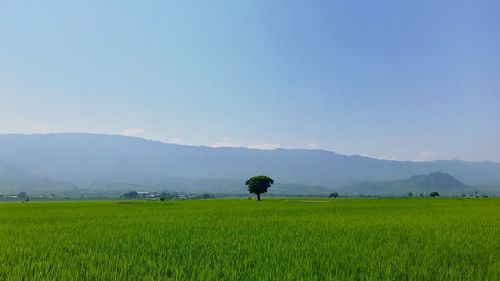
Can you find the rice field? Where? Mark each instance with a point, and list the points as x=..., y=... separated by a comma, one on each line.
x=235, y=239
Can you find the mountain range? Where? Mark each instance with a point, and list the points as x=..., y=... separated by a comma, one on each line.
x=73, y=161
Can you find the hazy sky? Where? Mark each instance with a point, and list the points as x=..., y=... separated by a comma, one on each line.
x=416, y=80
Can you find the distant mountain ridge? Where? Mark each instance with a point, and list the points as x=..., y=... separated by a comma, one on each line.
x=106, y=161
x=440, y=182
x=13, y=179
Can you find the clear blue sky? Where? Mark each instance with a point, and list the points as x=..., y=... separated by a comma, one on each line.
x=412, y=80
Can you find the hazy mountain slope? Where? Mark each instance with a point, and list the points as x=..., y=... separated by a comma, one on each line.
x=14, y=179
x=441, y=182
x=87, y=159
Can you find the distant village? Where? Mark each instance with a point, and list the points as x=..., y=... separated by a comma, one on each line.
x=165, y=195
x=146, y=195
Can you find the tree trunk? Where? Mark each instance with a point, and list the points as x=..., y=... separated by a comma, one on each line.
x=258, y=196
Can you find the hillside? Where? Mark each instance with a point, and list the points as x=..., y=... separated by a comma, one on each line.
x=440, y=182
x=108, y=162
x=14, y=179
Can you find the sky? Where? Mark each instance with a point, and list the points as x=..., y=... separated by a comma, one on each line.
x=403, y=80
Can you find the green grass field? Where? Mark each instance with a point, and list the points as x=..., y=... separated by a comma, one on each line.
x=276, y=239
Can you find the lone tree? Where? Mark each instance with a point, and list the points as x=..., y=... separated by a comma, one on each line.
x=434, y=194
x=333, y=195
x=259, y=185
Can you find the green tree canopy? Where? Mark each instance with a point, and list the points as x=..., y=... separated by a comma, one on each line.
x=259, y=184
x=333, y=195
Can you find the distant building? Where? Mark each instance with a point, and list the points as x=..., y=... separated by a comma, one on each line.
x=143, y=194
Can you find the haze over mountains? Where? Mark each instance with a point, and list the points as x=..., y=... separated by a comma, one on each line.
x=436, y=181
x=102, y=162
